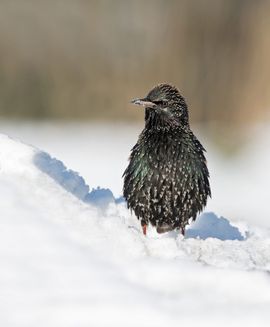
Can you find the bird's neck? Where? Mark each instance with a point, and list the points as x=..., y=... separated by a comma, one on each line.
x=158, y=122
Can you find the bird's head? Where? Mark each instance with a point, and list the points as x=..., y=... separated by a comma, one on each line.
x=164, y=105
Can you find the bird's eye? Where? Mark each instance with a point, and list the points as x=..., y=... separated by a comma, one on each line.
x=160, y=102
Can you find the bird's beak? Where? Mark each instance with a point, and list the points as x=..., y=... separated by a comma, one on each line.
x=143, y=102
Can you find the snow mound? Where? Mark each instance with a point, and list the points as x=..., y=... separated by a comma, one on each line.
x=75, y=257
x=68, y=179
x=71, y=181
x=209, y=225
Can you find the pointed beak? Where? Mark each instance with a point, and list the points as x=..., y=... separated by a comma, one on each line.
x=143, y=102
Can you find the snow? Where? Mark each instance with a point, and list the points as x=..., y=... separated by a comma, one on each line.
x=75, y=256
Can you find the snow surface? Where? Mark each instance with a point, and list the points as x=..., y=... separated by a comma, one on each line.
x=71, y=256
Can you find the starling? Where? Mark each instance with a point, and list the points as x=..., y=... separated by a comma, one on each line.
x=167, y=181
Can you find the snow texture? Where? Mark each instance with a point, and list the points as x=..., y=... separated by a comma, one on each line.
x=71, y=181
x=75, y=257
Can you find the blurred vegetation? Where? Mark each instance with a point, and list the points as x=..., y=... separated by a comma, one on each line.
x=87, y=59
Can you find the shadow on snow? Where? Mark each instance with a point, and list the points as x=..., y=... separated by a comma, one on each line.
x=72, y=182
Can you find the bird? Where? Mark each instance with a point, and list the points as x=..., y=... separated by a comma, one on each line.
x=166, y=182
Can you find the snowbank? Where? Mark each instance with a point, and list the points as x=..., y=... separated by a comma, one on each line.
x=75, y=257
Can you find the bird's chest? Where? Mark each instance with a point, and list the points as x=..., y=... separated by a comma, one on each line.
x=161, y=157
x=162, y=148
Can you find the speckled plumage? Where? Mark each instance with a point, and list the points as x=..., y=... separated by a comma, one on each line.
x=167, y=181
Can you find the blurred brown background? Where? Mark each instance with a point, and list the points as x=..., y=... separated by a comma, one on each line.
x=86, y=59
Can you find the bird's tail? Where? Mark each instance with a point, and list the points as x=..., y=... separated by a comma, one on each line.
x=164, y=228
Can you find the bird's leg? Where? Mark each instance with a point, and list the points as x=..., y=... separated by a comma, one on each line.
x=144, y=227
x=182, y=230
